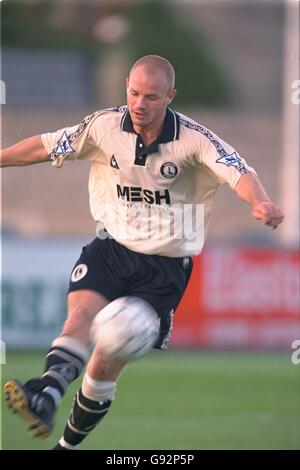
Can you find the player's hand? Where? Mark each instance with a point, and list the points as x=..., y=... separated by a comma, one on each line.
x=268, y=213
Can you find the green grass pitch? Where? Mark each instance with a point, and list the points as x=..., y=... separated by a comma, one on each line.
x=182, y=400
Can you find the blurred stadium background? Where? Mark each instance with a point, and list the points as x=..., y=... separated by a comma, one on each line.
x=228, y=380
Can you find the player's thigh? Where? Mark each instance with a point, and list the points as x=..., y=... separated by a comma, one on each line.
x=83, y=306
x=87, y=300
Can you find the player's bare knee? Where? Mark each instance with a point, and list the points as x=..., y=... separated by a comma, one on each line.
x=102, y=368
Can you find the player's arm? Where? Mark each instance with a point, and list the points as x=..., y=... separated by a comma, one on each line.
x=250, y=189
x=25, y=152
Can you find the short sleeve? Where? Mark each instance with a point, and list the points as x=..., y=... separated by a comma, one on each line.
x=224, y=161
x=76, y=142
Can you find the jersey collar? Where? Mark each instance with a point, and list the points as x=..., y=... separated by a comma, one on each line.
x=170, y=129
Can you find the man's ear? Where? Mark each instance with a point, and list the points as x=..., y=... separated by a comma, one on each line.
x=127, y=83
x=171, y=95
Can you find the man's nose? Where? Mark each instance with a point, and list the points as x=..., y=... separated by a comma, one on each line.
x=141, y=103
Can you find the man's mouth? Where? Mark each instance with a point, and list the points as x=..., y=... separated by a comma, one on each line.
x=139, y=114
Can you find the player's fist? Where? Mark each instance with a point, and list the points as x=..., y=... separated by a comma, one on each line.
x=268, y=213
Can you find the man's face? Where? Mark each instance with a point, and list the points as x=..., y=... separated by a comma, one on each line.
x=148, y=96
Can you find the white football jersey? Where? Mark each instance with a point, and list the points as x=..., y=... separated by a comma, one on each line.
x=155, y=199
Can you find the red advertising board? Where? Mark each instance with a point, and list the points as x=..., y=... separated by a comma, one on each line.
x=240, y=298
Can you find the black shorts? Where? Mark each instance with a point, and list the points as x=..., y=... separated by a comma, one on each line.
x=108, y=267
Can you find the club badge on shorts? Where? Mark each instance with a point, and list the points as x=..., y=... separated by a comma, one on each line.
x=79, y=272
x=169, y=170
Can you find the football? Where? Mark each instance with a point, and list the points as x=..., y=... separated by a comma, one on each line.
x=126, y=329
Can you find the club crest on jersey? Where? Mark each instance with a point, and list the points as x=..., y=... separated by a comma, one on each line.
x=232, y=160
x=79, y=272
x=114, y=163
x=169, y=170
x=63, y=146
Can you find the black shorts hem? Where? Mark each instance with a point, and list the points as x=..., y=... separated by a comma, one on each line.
x=108, y=295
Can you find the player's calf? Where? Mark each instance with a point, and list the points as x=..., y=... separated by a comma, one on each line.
x=65, y=361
